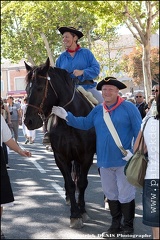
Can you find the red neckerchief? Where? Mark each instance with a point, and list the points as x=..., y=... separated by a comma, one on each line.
x=75, y=50
x=119, y=101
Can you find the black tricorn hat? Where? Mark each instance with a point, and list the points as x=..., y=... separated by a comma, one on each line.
x=72, y=30
x=111, y=81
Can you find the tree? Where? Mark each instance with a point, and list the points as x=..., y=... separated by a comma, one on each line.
x=141, y=18
x=29, y=28
x=132, y=64
x=102, y=49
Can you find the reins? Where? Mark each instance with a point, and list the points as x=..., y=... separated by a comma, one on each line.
x=74, y=90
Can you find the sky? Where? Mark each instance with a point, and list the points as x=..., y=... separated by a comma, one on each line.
x=124, y=30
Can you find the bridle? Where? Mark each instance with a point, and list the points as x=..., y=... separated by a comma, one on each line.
x=40, y=108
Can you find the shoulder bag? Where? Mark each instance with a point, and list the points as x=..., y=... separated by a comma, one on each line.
x=135, y=169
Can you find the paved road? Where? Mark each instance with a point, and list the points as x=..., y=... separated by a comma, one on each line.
x=40, y=211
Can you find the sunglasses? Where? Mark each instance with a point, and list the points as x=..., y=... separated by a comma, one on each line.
x=154, y=90
x=138, y=96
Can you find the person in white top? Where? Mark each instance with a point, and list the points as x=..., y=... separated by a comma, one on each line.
x=153, y=109
x=7, y=197
x=29, y=134
x=151, y=200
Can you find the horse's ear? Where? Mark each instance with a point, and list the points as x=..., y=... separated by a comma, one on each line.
x=46, y=65
x=28, y=68
x=47, y=62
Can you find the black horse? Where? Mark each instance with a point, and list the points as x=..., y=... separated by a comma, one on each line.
x=48, y=86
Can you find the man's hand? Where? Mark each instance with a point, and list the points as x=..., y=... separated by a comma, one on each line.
x=60, y=112
x=129, y=155
x=78, y=73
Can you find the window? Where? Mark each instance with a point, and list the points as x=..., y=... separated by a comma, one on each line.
x=2, y=85
x=20, y=83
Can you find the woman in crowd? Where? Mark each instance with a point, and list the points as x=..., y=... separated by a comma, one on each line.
x=15, y=112
x=151, y=198
x=7, y=197
x=6, y=114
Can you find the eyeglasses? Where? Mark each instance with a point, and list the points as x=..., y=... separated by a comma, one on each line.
x=154, y=90
x=138, y=96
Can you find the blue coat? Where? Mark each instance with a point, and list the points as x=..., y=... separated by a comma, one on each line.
x=82, y=60
x=127, y=121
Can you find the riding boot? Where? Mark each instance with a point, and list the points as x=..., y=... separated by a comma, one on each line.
x=128, y=211
x=115, y=210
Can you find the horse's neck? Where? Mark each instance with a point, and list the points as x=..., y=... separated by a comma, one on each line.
x=80, y=105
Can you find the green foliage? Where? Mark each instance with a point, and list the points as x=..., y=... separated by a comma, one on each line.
x=102, y=50
x=24, y=22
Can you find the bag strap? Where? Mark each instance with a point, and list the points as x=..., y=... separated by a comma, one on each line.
x=113, y=131
x=142, y=137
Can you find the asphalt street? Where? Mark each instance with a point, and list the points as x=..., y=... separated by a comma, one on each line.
x=40, y=211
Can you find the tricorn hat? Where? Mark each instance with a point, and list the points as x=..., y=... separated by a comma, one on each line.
x=111, y=81
x=72, y=30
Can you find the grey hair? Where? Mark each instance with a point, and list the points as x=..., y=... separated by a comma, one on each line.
x=139, y=92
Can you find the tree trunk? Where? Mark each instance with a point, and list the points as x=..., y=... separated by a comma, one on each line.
x=48, y=49
x=89, y=40
x=146, y=70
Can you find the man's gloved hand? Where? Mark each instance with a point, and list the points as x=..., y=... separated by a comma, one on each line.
x=129, y=155
x=60, y=112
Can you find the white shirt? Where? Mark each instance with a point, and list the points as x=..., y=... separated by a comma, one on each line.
x=151, y=137
x=23, y=107
x=5, y=131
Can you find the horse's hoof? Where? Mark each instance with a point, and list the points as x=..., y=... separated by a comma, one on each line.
x=85, y=217
x=68, y=202
x=50, y=149
x=47, y=147
x=76, y=223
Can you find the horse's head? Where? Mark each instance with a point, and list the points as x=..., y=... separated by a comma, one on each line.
x=37, y=79
x=47, y=86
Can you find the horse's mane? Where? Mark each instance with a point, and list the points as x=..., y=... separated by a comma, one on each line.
x=33, y=69
x=62, y=73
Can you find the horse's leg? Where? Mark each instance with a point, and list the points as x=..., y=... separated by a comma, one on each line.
x=75, y=217
x=76, y=220
x=67, y=197
x=75, y=171
x=82, y=184
x=66, y=193
x=75, y=168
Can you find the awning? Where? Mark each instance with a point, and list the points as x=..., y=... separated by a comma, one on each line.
x=17, y=93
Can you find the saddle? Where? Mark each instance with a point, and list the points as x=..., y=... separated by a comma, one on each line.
x=88, y=95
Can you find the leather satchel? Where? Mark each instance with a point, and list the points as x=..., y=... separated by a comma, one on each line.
x=135, y=169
